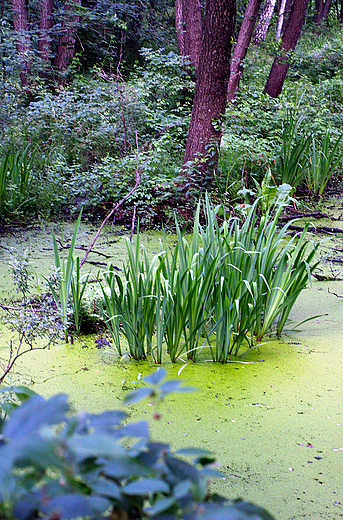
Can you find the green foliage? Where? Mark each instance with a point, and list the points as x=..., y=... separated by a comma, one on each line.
x=15, y=180
x=32, y=321
x=68, y=285
x=230, y=284
x=319, y=58
x=323, y=161
x=54, y=463
x=130, y=303
x=293, y=155
x=85, y=139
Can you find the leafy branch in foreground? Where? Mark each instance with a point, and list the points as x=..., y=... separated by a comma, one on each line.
x=62, y=466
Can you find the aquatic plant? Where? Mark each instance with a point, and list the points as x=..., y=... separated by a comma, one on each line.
x=131, y=302
x=66, y=284
x=15, y=179
x=323, y=161
x=224, y=287
x=77, y=287
x=292, y=157
x=56, y=464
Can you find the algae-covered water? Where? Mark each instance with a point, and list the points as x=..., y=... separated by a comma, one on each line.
x=275, y=421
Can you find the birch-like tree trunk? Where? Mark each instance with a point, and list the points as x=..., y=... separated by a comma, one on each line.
x=241, y=47
x=188, y=24
x=211, y=88
x=264, y=21
x=280, y=20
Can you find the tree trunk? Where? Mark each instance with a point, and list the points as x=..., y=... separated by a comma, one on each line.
x=23, y=42
x=319, y=12
x=326, y=10
x=290, y=37
x=264, y=21
x=211, y=87
x=241, y=47
x=44, y=35
x=66, y=44
x=188, y=24
x=322, y=11
x=280, y=20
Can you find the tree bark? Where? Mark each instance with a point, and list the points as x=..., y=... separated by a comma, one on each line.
x=66, y=44
x=264, y=21
x=23, y=42
x=280, y=20
x=319, y=12
x=290, y=37
x=45, y=26
x=211, y=87
x=188, y=24
x=326, y=10
x=241, y=47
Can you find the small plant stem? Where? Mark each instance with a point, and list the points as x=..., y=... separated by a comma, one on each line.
x=133, y=222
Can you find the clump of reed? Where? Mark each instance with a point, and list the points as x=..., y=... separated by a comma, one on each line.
x=224, y=287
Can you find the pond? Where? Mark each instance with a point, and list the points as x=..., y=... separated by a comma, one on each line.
x=274, y=419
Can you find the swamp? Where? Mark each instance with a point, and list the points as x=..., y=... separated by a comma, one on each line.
x=171, y=244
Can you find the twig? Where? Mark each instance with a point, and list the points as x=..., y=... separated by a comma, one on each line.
x=335, y=260
x=8, y=308
x=316, y=214
x=335, y=294
x=82, y=248
x=148, y=143
x=326, y=278
x=133, y=222
x=137, y=183
x=320, y=229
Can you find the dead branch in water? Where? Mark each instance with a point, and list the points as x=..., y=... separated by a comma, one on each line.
x=313, y=214
x=319, y=229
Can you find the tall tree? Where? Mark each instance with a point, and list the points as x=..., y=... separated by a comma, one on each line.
x=66, y=44
x=290, y=37
x=44, y=28
x=264, y=21
x=23, y=41
x=211, y=86
x=241, y=47
x=280, y=20
x=188, y=24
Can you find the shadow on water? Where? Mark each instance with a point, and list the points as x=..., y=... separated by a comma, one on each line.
x=274, y=422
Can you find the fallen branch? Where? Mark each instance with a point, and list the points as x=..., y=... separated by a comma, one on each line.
x=320, y=229
x=313, y=214
x=326, y=278
x=335, y=294
x=335, y=260
x=137, y=183
x=81, y=248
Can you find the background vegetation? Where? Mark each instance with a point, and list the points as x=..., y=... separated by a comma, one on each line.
x=73, y=140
